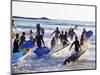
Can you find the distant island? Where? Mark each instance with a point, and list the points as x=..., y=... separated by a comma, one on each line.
x=45, y=18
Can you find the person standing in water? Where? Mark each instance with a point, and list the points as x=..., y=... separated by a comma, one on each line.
x=57, y=33
x=84, y=32
x=22, y=38
x=65, y=42
x=76, y=43
x=38, y=31
x=13, y=29
x=82, y=40
x=16, y=44
x=61, y=36
x=39, y=40
x=53, y=42
x=31, y=35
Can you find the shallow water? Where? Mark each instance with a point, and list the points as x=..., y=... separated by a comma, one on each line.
x=51, y=63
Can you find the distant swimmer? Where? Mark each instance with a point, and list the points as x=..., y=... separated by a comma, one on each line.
x=76, y=27
x=16, y=44
x=22, y=38
x=39, y=40
x=76, y=43
x=57, y=33
x=53, y=42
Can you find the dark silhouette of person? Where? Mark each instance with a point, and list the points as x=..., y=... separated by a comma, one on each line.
x=61, y=36
x=65, y=39
x=16, y=44
x=53, y=42
x=22, y=38
x=82, y=39
x=39, y=40
x=57, y=33
x=84, y=32
x=76, y=43
x=38, y=31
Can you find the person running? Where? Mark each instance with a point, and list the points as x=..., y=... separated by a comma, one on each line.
x=69, y=32
x=72, y=34
x=76, y=43
x=61, y=36
x=22, y=38
x=39, y=40
x=82, y=39
x=16, y=44
x=53, y=42
x=57, y=33
x=84, y=32
x=65, y=41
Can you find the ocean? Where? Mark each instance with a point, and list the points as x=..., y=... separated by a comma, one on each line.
x=51, y=63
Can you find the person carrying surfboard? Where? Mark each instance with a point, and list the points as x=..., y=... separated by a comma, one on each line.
x=57, y=33
x=39, y=40
x=76, y=43
x=16, y=44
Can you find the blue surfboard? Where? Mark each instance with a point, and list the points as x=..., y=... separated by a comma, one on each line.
x=27, y=44
x=73, y=57
x=89, y=34
x=42, y=51
x=16, y=56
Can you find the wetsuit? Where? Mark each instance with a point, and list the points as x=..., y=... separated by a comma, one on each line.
x=57, y=32
x=22, y=39
x=16, y=45
x=39, y=40
x=77, y=46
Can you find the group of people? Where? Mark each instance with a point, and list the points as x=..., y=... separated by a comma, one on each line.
x=38, y=39
x=18, y=41
x=63, y=36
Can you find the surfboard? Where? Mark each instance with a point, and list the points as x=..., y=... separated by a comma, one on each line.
x=42, y=51
x=74, y=57
x=89, y=34
x=16, y=56
x=28, y=44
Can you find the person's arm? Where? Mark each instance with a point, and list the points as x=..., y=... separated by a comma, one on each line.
x=52, y=33
x=71, y=45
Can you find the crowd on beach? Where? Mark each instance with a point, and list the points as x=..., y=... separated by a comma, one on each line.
x=39, y=37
